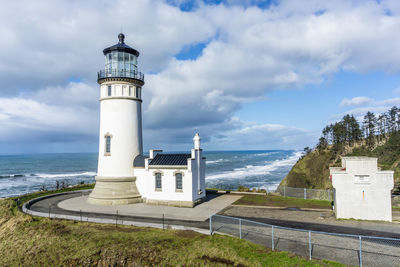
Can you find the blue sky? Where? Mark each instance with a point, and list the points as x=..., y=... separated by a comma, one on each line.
x=244, y=74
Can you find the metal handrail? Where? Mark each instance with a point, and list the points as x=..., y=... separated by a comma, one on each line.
x=120, y=74
x=303, y=230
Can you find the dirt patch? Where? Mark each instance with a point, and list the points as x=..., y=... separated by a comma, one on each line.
x=188, y=234
x=108, y=228
x=60, y=229
x=55, y=228
x=221, y=261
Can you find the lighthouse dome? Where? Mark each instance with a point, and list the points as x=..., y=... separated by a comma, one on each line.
x=121, y=46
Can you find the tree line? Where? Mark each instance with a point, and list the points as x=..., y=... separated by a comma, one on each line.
x=348, y=131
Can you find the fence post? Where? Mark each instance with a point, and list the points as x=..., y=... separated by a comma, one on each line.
x=273, y=243
x=211, y=225
x=49, y=210
x=240, y=228
x=360, y=250
x=284, y=191
x=305, y=193
x=309, y=243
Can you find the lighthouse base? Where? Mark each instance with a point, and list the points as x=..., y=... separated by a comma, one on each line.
x=115, y=191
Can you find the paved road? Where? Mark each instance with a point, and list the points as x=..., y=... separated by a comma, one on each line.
x=214, y=204
x=323, y=246
x=51, y=204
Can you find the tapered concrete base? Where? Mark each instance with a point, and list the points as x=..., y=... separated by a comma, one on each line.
x=115, y=191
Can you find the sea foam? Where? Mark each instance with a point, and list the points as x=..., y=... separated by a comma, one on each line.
x=251, y=170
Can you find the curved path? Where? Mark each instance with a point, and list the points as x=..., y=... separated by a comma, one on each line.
x=54, y=206
x=73, y=206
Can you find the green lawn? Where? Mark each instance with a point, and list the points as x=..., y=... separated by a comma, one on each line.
x=279, y=201
x=34, y=241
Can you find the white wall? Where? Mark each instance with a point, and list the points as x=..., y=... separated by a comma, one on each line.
x=366, y=198
x=195, y=172
x=145, y=181
x=146, y=184
x=120, y=116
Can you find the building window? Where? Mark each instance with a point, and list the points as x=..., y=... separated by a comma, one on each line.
x=362, y=178
x=107, y=145
x=109, y=90
x=158, y=181
x=130, y=89
x=178, y=181
x=137, y=92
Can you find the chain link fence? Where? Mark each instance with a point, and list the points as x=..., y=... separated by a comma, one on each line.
x=305, y=193
x=344, y=248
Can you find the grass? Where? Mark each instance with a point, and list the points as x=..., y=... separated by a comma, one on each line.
x=279, y=201
x=35, y=241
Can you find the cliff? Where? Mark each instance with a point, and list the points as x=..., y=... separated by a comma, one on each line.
x=312, y=170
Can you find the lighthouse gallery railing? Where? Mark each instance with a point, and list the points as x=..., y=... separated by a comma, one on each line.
x=114, y=73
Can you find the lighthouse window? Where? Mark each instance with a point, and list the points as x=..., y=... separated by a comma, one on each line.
x=109, y=90
x=130, y=88
x=108, y=144
x=138, y=92
x=114, y=60
x=178, y=181
x=158, y=181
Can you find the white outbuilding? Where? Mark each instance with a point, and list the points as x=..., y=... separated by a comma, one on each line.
x=362, y=190
x=124, y=174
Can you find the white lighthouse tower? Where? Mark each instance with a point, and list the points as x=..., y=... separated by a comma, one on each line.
x=120, y=126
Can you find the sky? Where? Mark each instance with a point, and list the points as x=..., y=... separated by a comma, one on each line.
x=246, y=75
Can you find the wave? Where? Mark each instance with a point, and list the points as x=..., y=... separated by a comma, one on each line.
x=265, y=153
x=251, y=170
x=48, y=175
x=214, y=161
x=62, y=175
x=12, y=175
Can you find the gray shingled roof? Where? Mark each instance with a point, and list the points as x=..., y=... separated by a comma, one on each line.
x=139, y=161
x=170, y=159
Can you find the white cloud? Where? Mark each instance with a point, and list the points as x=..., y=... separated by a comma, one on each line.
x=355, y=101
x=375, y=106
x=50, y=115
x=249, y=52
x=265, y=136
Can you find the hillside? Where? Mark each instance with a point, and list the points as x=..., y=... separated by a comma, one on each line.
x=312, y=170
x=36, y=241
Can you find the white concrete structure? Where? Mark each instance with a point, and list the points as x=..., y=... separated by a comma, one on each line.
x=362, y=190
x=124, y=175
x=181, y=178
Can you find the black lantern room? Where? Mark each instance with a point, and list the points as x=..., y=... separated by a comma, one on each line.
x=120, y=62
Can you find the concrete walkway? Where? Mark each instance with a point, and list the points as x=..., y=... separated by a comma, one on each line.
x=201, y=212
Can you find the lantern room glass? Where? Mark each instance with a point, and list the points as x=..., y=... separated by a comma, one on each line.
x=120, y=64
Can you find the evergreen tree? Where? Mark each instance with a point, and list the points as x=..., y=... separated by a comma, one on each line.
x=393, y=119
x=355, y=130
x=370, y=125
x=381, y=126
x=322, y=144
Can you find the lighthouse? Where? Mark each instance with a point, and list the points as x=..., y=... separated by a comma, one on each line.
x=120, y=135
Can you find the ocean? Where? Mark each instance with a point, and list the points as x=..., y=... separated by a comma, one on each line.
x=21, y=174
